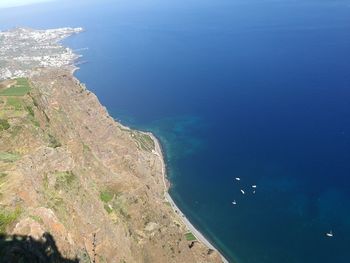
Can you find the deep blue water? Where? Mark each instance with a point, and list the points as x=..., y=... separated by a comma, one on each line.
x=257, y=89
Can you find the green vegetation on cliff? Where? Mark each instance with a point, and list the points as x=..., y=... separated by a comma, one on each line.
x=4, y=125
x=190, y=237
x=144, y=141
x=106, y=196
x=21, y=88
x=7, y=217
x=8, y=157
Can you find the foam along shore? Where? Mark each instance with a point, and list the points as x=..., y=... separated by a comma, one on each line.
x=199, y=236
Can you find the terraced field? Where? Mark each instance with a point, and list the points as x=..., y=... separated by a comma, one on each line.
x=21, y=88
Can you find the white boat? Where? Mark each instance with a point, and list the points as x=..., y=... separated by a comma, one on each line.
x=238, y=179
x=234, y=202
x=254, y=192
x=254, y=186
x=242, y=191
x=330, y=234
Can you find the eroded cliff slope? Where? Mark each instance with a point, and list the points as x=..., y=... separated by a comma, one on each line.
x=67, y=168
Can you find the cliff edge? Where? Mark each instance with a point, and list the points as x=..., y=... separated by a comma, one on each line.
x=68, y=169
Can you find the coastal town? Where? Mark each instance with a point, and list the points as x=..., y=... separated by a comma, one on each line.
x=24, y=49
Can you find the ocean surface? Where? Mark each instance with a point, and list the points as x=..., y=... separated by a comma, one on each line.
x=256, y=89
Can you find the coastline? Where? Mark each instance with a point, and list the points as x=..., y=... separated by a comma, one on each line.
x=199, y=236
x=50, y=79
x=158, y=151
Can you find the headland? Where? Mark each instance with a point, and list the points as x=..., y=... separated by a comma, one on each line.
x=69, y=169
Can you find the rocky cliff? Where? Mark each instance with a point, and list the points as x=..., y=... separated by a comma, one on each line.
x=68, y=169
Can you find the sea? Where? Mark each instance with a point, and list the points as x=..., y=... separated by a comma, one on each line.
x=251, y=89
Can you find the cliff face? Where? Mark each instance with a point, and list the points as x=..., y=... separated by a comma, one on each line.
x=67, y=168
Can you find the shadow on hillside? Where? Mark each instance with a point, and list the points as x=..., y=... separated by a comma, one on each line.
x=23, y=249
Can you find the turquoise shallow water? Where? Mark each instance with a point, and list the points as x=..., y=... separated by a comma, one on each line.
x=250, y=89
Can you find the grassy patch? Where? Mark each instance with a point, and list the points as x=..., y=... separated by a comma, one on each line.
x=4, y=125
x=168, y=204
x=35, y=102
x=2, y=179
x=36, y=124
x=31, y=116
x=8, y=157
x=15, y=131
x=108, y=209
x=2, y=182
x=86, y=148
x=190, y=237
x=145, y=141
x=22, y=81
x=53, y=198
x=65, y=188
x=120, y=206
x=7, y=217
x=30, y=111
x=15, y=91
x=102, y=259
x=53, y=142
x=106, y=196
x=56, y=202
x=64, y=180
x=113, y=202
x=21, y=88
x=14, y=103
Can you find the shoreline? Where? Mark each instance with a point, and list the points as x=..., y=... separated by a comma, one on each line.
x=199, y=236
x=72, y=67
x=158, y=151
